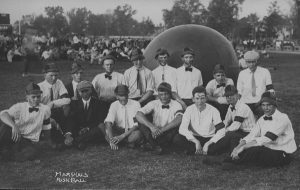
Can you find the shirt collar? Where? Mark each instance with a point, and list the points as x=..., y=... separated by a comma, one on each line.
x=48, y=84
x=88, y=101
x=74, y=83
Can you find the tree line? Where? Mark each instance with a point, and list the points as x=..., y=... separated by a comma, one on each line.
x=221, y=15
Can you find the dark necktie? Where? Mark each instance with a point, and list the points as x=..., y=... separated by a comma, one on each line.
x=268, y=118
x=139, y=82
x=86, y=107
x=165, y=106
x=220, y=85
x=32, y=109
x=232, y=108
x=190, y=69
x=107, y=76
x=51, y=94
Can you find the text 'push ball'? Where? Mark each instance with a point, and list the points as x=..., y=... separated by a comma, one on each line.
x=210, y=48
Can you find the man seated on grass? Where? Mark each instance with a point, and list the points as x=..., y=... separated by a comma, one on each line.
x=270, y=143
x=84, y=117
x=120, y=124
x=238, y=122
x=166, y=114
x=216, y=88
x=199, y=123
x=55, y=95
x=22, y=124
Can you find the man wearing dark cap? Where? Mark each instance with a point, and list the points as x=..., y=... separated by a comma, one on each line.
x=253, y=82
x=84, y=118
x=270, y=143
x=105, y=83
x=167, y=115
x=120, y=124
x=76, y=74
x=239, y=121
x=199, y=123
x=165, y=73
x=55, y=95
x=216, y=88
x=188, y=76
x=139, y=79
x=22, y=124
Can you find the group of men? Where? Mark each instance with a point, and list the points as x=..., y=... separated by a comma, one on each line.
x=156, y=111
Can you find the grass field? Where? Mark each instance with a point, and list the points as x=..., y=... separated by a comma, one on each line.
x=101, y=168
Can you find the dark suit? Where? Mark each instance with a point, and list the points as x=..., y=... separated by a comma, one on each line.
x=70, y=90
x=79, y=119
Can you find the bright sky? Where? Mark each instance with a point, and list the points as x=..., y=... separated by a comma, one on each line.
x=145, y=8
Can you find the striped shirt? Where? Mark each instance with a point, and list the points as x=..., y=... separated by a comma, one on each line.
x=30, y=124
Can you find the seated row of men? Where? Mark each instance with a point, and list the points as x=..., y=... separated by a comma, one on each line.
x=269, y=141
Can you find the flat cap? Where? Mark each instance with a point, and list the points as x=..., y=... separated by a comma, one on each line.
x=251, y=56
x=186, y=51
x=32, y=88
x=84, y=85
x=50, y=67
x=161, y=51
x=76, y=67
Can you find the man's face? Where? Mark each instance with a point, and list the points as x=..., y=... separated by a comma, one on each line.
x=164, y=97
x=268, y=108
x=251, y=65
x=77, y=76
x=108, y=65
x=162, y=59
x=33, y=99
x=232, y=99
x=188, y=59
x=220, y=77
x=122, y=99
x=85, y=93
x=138, y=63
x=51, y=77
x=199, y=99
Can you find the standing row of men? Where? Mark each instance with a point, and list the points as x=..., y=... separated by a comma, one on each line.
x=116, y=108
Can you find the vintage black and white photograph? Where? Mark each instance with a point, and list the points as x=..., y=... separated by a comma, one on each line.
x=149, y=94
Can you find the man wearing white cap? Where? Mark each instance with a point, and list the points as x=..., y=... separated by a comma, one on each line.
x=253, y=82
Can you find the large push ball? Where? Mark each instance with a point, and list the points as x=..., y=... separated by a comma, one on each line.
x=210, y=48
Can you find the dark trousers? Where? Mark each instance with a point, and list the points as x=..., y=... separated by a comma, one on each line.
x=183, y=144
x=164, y=140
x=57, y=133
x=105, y=108
x=22, y=150
x=227, y=143
x=28, y=59
x=221, y=107
x=264, y=157
x=188, y=102
x=94, y=135
x=256, y=109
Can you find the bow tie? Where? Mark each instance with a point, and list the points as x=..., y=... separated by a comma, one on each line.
x=232, y=108
x=32, y=109
x=268, y=118
x=108, y=76
x=220, y=85
x=190, y=69
x=165, y=106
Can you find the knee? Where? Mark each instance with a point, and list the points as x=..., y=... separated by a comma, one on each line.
x=134, y=136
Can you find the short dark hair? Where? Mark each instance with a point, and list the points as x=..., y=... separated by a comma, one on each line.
x=199, y=89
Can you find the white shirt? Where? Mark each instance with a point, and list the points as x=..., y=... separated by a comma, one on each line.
x=105, y=88
x=116, y=113
x=58, y=88
x=167, y=73
x=212, y=90
x=30, y=124
x=241, y=117
x=162, y=117
x=146, y=78
x=262, y=78
x=280, y=126
x=196, y=123
x=187, y=81
x=86, y=103
x=74, y=84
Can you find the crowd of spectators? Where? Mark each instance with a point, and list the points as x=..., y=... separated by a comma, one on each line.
x=72, y=47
